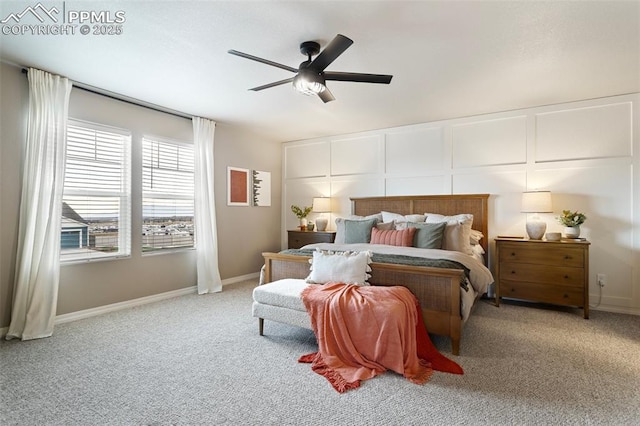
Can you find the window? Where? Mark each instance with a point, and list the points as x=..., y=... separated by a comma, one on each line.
x=167, y=195
x=96, y=202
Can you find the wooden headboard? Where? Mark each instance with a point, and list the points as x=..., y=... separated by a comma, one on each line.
x=448, y=205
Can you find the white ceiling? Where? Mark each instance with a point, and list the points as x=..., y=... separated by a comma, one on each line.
x=448, y=58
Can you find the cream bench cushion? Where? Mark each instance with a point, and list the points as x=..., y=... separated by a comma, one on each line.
x=280, y=301
x=284, y=293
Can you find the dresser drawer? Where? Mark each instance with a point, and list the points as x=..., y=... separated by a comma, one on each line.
x=573, y=277
x=298, y=239
x=559, y=295
x=547, y=255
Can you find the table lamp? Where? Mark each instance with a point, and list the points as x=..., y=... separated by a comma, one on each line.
x=321, y=205
x=536, y=202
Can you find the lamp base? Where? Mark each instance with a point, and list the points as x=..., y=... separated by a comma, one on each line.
x=321, y=223
x=536, y=230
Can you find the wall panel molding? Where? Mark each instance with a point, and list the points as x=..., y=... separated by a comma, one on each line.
x=503, y=141
x=413, y=151
x=357, y=155
x=306, y=160
x=587, y=153
x=599, y=131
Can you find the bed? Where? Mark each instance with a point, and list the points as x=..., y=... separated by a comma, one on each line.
x=439, y=290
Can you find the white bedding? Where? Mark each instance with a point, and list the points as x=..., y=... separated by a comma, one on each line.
x=479, y=275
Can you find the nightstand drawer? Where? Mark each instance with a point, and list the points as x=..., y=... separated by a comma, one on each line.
x=559, y=295
x=573, y=277
x=298, y=239
x=546, y=255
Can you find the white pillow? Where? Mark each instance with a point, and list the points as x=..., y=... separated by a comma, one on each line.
x=478, y=253
x=477, y=249
x=475, y=237
x=342, y=267
x=457, y=233
x=398, y=218
x=385, y=226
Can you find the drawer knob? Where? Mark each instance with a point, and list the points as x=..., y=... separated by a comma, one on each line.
x=513, y=272
x=567, y=257
x=566, y=277
x=566, y=296
x=513, y=254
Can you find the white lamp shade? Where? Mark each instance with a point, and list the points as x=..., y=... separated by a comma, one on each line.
x=536, y=202
x=322, y=205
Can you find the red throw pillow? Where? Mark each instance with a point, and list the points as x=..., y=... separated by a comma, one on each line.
x=403, y=238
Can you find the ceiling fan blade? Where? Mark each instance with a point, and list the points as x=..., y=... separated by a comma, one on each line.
x=358, y=77
x=275, y=83
x=264, y=61
x=326, y=95
x=334, y=49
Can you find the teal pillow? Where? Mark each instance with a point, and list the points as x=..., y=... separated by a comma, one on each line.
x=428, y=235
x=358, y=231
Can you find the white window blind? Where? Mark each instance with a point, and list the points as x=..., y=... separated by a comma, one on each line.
x=167, y=195
x=96, y=207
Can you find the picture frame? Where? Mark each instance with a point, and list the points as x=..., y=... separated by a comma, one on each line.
x=238, y=186
x=261, y=188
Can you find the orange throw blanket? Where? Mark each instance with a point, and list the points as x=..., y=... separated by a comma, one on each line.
x=364, y=330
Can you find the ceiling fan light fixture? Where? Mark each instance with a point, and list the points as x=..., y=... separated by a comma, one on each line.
x=308, y=83
x=310, y=75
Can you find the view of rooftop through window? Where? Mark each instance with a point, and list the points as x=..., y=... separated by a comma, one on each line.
x=97, y=196
x=96, y=212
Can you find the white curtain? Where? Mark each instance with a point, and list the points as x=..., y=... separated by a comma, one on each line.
x=205, y=208
x=38, y=257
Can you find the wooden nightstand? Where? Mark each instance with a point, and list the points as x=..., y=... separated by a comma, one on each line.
x=298, y=239
x=554, y=272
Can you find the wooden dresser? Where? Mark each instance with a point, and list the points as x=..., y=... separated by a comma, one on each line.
x=298, y=239
x=554, y=272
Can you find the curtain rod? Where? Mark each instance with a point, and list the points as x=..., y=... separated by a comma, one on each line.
x=123, y=98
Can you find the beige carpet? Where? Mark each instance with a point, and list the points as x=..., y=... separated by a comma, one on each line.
x=198, y=360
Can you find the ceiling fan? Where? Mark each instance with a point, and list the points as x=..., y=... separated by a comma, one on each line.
x=311, y=76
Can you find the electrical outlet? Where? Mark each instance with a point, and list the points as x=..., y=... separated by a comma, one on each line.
x=602, y=279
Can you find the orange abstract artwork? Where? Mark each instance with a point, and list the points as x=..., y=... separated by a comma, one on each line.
x=238, y=187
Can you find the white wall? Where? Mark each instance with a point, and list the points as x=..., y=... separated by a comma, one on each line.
x=584, y=152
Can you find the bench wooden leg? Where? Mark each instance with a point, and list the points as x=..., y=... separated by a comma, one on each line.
x=261, y=326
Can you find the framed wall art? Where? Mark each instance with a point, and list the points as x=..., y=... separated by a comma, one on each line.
x=261, y=188
x=238, y=181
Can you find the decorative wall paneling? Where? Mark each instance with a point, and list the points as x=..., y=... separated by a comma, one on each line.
x=584, y=152
x=591, y=132
x=306, y=160
x=502, y=141
x=357, y=156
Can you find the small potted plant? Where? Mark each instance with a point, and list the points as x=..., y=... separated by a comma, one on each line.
x=571, y=221
x=301, y=213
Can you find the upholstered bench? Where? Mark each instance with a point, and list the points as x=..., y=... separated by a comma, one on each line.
x=280, y=301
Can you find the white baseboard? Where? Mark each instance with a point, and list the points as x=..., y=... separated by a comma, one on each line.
x=60, y=319
x=92, y=312
x=241, y=278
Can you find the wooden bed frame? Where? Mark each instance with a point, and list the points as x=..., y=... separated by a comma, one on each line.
x=437, y=290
